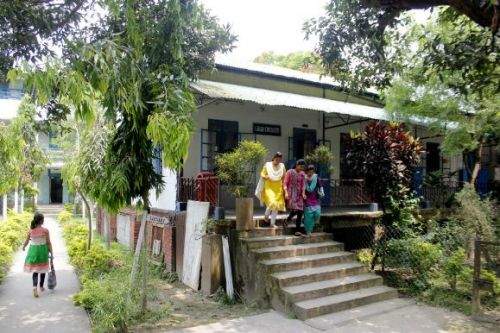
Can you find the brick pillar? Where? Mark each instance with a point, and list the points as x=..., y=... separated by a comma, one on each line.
x=113, y=228
x=149, y=240
x=99, y=222
x=168, y=247
x=135, y=227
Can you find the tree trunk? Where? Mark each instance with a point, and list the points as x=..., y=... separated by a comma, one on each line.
x=4, y=207
x=21, y=204
x=87, y=208
x=84, y=211
x=107, y=231
x=144, y=303
x=478, y=153
x=16, y=200
x=35, y=197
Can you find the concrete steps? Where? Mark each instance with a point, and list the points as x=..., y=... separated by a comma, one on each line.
x=312, y=276
x=309, y=261
x=309, y=275
x=282, y=240
x=331, y=287
x=50, y=209
x=298, y=250
x=339, y=319
x=328, y=304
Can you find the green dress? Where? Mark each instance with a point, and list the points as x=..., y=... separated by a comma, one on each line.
x=37, y=259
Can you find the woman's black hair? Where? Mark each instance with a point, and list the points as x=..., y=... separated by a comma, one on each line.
x=37, y=220
x=310, y=167
x=300, y=162
x=278, y=155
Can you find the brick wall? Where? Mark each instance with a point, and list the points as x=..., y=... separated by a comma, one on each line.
x=100, y=225
x=171, y=237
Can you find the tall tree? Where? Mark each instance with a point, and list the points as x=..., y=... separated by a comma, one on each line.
x=11, y=147
x=136, y=64
x=459, y=101
x=30, y=28
x=360, y=40
x=85, y=148
x=32, y=160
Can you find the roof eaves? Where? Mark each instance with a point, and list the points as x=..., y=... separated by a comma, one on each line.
x=326, y=85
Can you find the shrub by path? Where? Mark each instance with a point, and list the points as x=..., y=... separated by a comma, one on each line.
x=53, y=311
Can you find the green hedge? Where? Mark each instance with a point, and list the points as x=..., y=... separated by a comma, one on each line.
x=104, y=275
x=12, y=234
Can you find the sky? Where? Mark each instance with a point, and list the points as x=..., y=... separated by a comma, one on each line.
x=266, y=25
x=271, y=25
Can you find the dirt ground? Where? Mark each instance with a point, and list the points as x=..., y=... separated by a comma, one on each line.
x=184, y=307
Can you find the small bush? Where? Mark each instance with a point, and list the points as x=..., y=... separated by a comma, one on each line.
x=12, y=233
x=454, y=267
x=104, y=274
x=69, y=207
x=416, y=256
x=365, y=256
x=64, y=217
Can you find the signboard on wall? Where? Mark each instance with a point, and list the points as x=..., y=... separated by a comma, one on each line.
x=159, y=221
x=267, y=129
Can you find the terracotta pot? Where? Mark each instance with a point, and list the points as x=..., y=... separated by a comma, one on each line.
x=244, y=214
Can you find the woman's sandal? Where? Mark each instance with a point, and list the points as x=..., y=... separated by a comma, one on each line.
x=35, y=293
x=42, y=289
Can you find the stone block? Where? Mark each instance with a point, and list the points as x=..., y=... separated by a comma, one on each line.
x=212, y=264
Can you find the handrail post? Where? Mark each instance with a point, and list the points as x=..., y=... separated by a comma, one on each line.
x=476, y=297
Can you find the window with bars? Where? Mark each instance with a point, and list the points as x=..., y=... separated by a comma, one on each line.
x=157, y=160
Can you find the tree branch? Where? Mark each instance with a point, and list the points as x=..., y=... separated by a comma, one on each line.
x=476, y=10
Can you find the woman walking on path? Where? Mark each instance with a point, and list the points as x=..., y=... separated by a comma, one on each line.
x=273, y=174
x=312, y=210
x=37, y=259
x=295, y=191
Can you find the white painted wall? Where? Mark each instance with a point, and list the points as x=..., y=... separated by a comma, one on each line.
x=246, y=113
x=166, y=199
x=123, y=229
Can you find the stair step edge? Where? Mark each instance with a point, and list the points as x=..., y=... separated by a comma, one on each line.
x=316, y=270
x=344, y=297
x=306, y=258
x=296, y=246
x=332, y=283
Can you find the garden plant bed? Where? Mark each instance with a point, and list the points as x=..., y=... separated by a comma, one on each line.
x=189, y=308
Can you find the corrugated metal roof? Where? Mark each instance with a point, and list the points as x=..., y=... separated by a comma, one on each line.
x=278, y=98
x=285, y=73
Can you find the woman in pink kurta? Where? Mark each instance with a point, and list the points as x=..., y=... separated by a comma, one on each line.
x=295, y=191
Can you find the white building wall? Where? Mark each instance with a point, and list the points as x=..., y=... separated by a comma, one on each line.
x=167, y=198
x=247, y=113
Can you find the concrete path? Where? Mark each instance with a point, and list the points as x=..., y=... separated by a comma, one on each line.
x=411, y=318
x=53, y=311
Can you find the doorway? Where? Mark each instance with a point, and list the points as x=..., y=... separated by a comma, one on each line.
x=56, y=188
x=303, y=143
x=433, y=158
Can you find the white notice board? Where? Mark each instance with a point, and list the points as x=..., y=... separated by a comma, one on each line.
x=197, y=213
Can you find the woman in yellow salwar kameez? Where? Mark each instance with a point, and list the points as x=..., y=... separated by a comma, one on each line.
x=270, y=189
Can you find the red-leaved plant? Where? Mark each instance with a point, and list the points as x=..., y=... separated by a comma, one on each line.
x=383, y=155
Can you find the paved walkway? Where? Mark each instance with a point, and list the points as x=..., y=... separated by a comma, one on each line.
x=410, y=318
x=53, y=311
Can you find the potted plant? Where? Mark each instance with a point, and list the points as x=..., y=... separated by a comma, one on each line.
x=236, y=169
x=322, y=158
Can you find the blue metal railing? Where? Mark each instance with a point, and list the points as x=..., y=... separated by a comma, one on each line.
x=8, y=93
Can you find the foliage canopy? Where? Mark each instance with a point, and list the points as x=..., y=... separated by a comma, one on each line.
x=135, y=64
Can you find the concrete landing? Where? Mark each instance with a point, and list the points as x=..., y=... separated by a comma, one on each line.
x=407, y=318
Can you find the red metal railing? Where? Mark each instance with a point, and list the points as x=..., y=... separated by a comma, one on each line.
x=200, y=189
